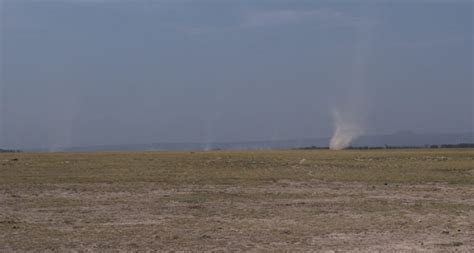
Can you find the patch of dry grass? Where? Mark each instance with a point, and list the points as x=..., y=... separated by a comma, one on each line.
x=261, y=200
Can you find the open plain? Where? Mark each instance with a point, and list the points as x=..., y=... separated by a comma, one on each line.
x=380, y=200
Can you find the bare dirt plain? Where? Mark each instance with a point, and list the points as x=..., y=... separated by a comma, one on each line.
x=384, y=200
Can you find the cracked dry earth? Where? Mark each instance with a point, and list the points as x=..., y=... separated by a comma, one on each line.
x=289, y=215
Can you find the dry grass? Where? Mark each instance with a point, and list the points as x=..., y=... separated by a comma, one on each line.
x=261, y=200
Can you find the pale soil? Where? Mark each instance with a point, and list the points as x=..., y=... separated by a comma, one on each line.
x=287, y=215
x=302, y=213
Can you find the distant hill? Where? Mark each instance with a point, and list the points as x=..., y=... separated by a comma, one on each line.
x=397, y=139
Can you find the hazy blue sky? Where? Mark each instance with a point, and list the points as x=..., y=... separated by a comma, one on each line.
x=88, y=72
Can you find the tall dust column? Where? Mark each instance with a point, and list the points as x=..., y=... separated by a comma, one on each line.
x=2, y=82
x=350, y=113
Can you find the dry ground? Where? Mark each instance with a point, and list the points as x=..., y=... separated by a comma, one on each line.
x=396, y=200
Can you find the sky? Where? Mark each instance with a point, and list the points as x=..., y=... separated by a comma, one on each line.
x=102, y=72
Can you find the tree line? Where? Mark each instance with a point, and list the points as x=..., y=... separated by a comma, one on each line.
x=460, y=145
x=9, y=150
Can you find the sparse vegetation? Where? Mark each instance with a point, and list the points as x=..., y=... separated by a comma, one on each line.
x=264, y=200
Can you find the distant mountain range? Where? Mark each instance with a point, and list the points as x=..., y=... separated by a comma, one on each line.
x=405, y=138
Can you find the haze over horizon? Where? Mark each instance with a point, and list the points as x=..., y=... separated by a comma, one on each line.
x=103, y=72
